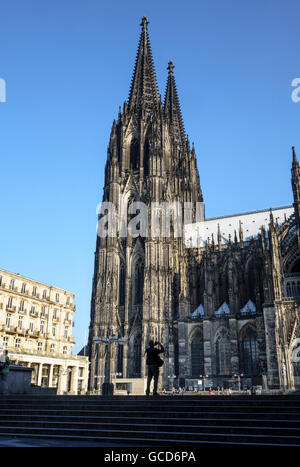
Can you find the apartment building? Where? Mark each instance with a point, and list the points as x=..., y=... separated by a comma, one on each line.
x=36, y=323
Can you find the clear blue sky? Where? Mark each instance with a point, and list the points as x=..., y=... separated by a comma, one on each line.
x=68, y=66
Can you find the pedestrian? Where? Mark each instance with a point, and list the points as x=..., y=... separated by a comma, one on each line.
x=4, y=369
x=152, y=363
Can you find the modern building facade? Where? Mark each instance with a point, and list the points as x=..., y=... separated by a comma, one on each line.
x=223, y=297
x=36, y=323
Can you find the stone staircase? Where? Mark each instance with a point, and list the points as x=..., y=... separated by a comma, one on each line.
x=173, y=421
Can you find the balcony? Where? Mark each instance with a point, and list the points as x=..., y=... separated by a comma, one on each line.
x=33, y=333
x=68, y=321
x=11, y=308
x=9, y=329
x=35, y=314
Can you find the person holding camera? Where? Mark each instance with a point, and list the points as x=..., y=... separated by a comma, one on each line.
x=152, y=363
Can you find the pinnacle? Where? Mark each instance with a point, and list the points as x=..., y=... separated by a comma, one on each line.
x=144, y=23
x=172, y=107
x=143, y=91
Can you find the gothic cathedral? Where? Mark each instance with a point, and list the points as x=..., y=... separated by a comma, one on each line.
x=223, y=301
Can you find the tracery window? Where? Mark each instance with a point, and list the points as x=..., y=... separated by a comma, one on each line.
x=250, y=352
x=122, y=285
x=134, y=154
x=137, y=354
x=197, y=354
x=138, y=282
x=223, y=353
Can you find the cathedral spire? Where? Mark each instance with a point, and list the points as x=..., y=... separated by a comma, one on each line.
x=296, y=190
x=172, y=108
x=143, y=92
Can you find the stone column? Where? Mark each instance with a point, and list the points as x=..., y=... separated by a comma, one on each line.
x=39, y=382
x=50, y=375
x=271, y=347
x=74, y=380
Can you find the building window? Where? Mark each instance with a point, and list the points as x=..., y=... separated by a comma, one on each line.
x=146, y=157
x=22, y=305
x=197, y=354
x=52, y=348
x=66, y=332
x=139, y=282
x=17, y=343
x=0, y=281
x=68, y=300
x=12, y=284
x=23, y=289
x=43, y=312
x=20, y=323
x=40, y=346
x=34, y=291
x=8, y=320
x=250, y=352
x=44, y=294
x=5, y=342
x=122, y=285
x=137, y=357
x=53, y=330
x=10, y=303
x=57, y=298
x=31, y=326
x=54, y=314
x=65, y=350
x=120, y=359
x=42, y=327
x=134, y=154
x=223, y=354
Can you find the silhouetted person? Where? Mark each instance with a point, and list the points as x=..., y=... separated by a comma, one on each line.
x=152, y=363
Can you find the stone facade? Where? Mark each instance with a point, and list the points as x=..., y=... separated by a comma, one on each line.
x=36, y=322
x=226, y=307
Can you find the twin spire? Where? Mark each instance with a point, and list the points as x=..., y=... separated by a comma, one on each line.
x=143, y=94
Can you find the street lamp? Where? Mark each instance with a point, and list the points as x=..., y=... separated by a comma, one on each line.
x=172, y=377
x=107, y=386
x=115, y=375
x=238, y=376
x=98, y=377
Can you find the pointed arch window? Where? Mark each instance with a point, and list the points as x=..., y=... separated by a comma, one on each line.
x=138, y=282
x=120, y=359
x=224, y=286
x=146, y=157
x=134, y=154
x=251, y=280
x=197, y=354
x=122, y=285
x=137, y=355
x=250, y=352
x=223, y=354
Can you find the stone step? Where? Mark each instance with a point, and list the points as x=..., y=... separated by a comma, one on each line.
x=163, y=421
x=132, y=419
x=167, y=437
x=150, y=406
x=183, y=426
x=156, y=414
